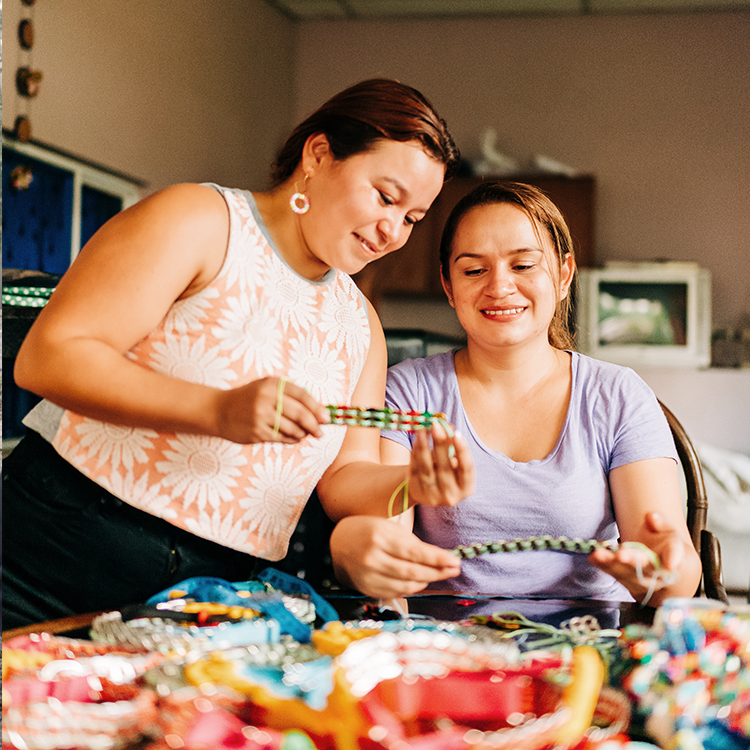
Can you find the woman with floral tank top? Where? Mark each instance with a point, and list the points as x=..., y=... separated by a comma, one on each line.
x=186, y=359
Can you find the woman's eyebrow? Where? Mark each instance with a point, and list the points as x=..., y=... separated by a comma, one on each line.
x=520, y=251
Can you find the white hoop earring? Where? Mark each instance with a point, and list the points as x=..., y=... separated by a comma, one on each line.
x=299, y=202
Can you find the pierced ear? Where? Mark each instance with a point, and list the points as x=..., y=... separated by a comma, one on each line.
x=316, y=148
x=447, y=288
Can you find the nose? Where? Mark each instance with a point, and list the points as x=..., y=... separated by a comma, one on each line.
x=392, y=232
x=500, y=281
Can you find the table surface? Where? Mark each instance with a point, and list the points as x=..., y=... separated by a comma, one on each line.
x=441, y=606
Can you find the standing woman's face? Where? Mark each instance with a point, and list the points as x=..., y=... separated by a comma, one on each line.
x=504, y=288
x=364, y=207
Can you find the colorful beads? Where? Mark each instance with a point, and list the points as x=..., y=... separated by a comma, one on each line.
x=688, y=675
x=386, y=419
x=412, y=683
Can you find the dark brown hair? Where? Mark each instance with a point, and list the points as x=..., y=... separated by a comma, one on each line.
x=544, y=216
x=370, y=111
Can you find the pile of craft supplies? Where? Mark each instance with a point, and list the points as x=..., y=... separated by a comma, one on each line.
x=267, y=664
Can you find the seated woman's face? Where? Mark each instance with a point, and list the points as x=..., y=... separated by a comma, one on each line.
x=501, y=281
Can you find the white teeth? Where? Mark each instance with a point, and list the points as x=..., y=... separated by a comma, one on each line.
x=504, y=312
x=366, y=243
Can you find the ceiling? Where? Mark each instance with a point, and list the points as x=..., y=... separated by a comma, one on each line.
x=305, y=10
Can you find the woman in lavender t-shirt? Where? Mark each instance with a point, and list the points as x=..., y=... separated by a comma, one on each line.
x=563, y=445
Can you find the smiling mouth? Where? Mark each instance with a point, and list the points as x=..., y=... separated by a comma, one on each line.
x=501, y=313
x=366, y=244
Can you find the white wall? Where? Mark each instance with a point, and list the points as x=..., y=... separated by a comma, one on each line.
x=714, y=408
x=167, y=91
x=657, y=107
x=713, y=405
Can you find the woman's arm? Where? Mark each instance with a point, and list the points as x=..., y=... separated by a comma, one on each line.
x=648, y=509
x=358, y=483
x=382, y=557
x=119, y=288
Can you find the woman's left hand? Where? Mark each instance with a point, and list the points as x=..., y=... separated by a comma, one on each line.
x=624, y=565
x=437, y=474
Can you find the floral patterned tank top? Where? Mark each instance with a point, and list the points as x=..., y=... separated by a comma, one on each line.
x=257, y=318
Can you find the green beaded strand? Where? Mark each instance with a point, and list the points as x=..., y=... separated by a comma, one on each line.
x=559, y=544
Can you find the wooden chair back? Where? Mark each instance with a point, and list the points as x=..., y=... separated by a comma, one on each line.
x=705, y=543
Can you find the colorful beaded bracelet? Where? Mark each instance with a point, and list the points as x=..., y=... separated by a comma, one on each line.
x=169, y=676
x=391, y=419
x=387, y=419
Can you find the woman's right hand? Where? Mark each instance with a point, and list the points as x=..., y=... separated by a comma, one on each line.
x=441, y=474
x=384, y=560
x=254, y=413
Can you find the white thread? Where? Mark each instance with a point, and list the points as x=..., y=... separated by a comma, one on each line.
x=668, y=577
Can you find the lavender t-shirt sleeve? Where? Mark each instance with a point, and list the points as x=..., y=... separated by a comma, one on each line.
x=625, y=416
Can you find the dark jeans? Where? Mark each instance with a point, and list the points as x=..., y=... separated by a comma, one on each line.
x=70, y=547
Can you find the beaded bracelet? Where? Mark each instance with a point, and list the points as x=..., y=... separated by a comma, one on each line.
x=575, y=544
x=387, y=418
x=169, y=676
x=559, y=544
x=52, y=723
x=419, y=653
x=391, y=419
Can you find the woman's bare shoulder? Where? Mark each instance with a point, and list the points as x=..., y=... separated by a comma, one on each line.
x=186, y=199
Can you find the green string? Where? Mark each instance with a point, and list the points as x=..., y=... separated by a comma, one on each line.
x=390, y=419
x=404, y=489
x=539, y=635
x=279, y=405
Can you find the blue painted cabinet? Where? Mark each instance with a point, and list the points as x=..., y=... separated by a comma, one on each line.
x=52, y=204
